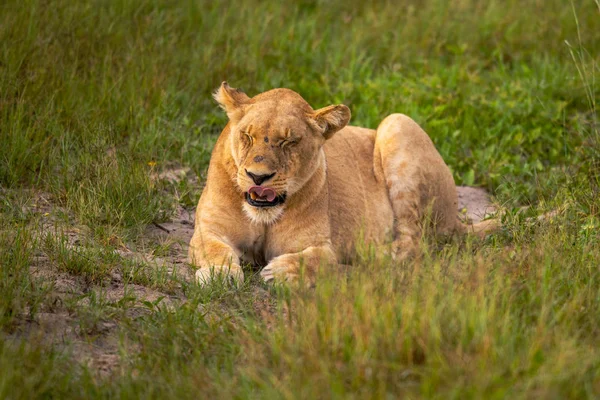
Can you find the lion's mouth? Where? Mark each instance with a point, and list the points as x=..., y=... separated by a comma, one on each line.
x=258, y=196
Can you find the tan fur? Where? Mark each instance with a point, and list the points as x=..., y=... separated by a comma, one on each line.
x=376, y=184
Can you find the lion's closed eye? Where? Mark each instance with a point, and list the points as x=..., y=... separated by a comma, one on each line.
x=247, y=138
x=287, y=143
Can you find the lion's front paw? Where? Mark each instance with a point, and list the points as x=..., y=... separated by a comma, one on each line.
x=233, y=272
x=280, y=271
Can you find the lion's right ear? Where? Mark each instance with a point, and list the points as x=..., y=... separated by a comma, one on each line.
x=231, y=100
x=332, y=118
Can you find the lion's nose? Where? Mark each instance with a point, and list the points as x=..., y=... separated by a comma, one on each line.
x=258, y=179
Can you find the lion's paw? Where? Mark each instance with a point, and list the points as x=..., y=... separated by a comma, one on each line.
x=233, y=271
x=279, y=271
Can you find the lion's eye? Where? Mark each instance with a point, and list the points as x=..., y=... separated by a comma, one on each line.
x=288, y=143
x=247, y=138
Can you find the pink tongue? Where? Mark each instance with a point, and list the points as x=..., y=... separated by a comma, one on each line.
x=263, y=192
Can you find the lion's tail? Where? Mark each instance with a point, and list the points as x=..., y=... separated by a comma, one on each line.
x=485, y=227
x=482, y=228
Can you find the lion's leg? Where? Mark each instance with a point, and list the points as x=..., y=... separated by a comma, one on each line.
x=418, y=182
x=215, y=258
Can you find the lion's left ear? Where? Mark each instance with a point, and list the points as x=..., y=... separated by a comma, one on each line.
x=233, y=101
x=332, y=118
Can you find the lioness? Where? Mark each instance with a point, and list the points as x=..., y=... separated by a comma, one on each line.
x=289, y=186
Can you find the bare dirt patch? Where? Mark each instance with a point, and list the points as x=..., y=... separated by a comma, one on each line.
x=474, y=203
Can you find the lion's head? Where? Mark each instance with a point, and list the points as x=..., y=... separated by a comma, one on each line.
x=276, y=143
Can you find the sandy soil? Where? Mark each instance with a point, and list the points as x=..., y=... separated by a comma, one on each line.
x=474, y=203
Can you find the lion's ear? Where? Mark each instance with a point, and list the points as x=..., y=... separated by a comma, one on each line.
x=231, y=100
x=332, y=118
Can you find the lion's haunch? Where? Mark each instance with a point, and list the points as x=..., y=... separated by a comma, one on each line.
x=263, y=192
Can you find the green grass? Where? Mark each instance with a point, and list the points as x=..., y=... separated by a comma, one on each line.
x=97, y=98
x=21, y=294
